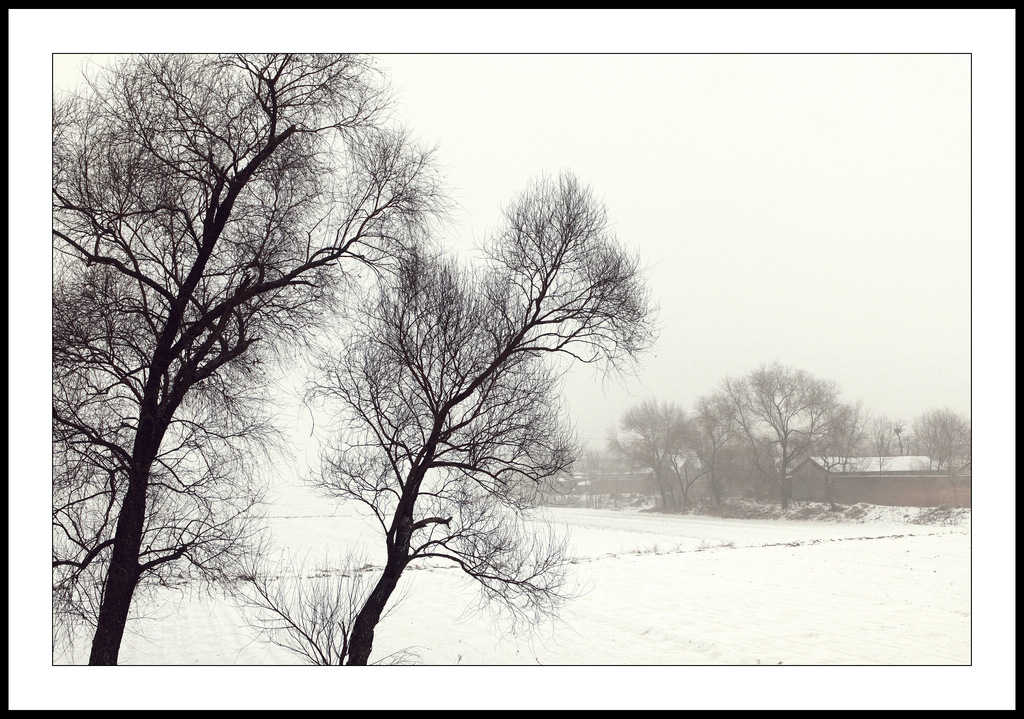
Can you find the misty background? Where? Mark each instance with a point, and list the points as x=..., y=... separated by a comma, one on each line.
x=803, y=208
x=810, y=209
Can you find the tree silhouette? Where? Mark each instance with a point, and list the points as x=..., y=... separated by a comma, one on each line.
x=206, y=210
x=447, y=397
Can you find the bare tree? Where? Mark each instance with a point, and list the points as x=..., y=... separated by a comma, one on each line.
x=446, y=395
x=202, y=205
x=651, y=434
x=882, y=437
x=946, y=436
x=779, y=412
x=841, y=437
x=903, y=437
x=687, y=469
x=712, y=431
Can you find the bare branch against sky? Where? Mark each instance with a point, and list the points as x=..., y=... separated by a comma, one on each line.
x=810, y=209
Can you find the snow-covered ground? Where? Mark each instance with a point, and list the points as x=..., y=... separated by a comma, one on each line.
x=692, y=593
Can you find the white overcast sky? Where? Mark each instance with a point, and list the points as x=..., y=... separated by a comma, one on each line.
x=811, y=209
x=799, y=183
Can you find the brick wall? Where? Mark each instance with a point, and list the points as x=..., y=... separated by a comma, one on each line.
x=907, y=489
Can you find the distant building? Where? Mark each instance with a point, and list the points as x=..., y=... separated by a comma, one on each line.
x=634, y=483
x=893, y=481
x=914, y=463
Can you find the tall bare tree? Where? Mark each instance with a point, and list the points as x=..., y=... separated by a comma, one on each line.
x=652, y=435
x=780, y=412
x=712, y=431
x=882, y=439
x=446, y=394
x=842, y=436
x=687, y=468
x=946, y=436
x=203, y=206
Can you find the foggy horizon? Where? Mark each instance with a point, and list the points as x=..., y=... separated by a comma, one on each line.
x=807, y=209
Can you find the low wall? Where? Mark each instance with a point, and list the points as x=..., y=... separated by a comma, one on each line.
x=906, y=490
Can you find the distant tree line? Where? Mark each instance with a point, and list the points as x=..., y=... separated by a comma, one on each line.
x=746, y=437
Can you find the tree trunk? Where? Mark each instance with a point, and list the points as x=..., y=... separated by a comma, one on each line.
x=361, y=641
x=124, y=570
x=122, y=575
x=668, y=500
x=785, y=483
x=716, y=486
x=683, y=489
x=664, y=498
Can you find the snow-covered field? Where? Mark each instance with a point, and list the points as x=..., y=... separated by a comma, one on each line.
x=689, y=593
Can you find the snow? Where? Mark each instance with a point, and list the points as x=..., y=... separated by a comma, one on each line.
x=655, y=590
x=912, y=463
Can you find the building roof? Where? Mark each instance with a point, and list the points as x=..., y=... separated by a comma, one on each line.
x=910, y=463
